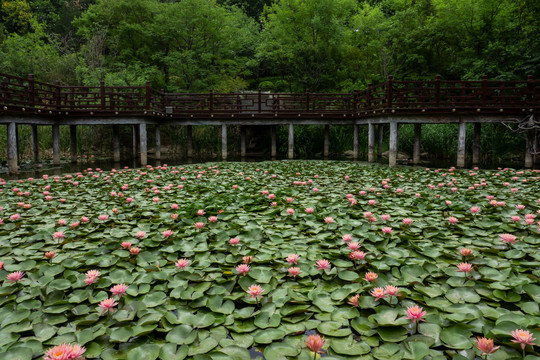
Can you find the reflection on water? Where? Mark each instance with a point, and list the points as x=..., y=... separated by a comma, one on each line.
x=30, y=169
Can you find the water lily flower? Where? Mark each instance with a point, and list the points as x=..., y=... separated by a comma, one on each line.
x=415, y=313
x=292, y=259
x=523, y=337
x=322, y=264
x=182, y=264
x=371, y=276
x=15, y=276
x=119, y=290
x=107, y=305
x=464, y=267
x=353, y=300
x=65, y=352
x=378, y=293
x=315, y=343
x=485, y=346
x=255, y=291
x=243, y=269
x=294, y=271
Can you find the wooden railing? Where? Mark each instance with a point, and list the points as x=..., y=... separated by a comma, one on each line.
x=18, y=95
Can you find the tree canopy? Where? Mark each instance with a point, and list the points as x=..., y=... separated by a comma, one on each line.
x=279, y=45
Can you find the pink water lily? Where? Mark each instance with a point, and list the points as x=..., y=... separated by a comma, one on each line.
x=415, y=313
x=243, y=269
x=322, y=264
x=15, y=276
x=182, y=264
x=485, y=346
x=65, y=352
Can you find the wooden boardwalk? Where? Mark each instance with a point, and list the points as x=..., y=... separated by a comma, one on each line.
x=26, y=101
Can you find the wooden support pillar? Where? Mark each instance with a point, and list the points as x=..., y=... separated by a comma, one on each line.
x=12, y=148
x=17, y=142
x=56, y=144
x=529, y=149
x=116, y=143
x=416, y=146
x=242, y=141
x=371, y=142
x=135, y=142
x=476, y=143
x=392, y=156
x=355, y=142
x=35, y=142
x=461, y=144
x=224, y=142
x=326, y=141
x=290, y=151
x=143, y=144
x=380, y=142
x=73, y=142
x=273, y=141
x=158, y=143
x=189, y=135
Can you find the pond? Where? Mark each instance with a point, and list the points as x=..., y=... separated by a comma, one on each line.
x=246, y=260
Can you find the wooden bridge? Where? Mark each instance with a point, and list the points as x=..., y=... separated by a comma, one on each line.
x=27, y=101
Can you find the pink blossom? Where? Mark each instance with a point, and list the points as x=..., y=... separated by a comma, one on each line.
x=415, y=313
x=485, y=346
x=371, y=276
x=134, y=250
x=140, y=235
x=174, y=206
x=520, y=207
x=353, y=245
x=475, y=209
x=357, y=255
x=368, y=214
x=378, y=293
x=464, y=267
x=294, y=271
x=353, y=300
x=452, y=220
x=371, y=202
x=309, y=210
x=182, y=264
x=15, y=276
x=346, y=238
x=387, y=230
x=103, y=217
x=119, y=290
x=247, y=259
x=58, y=235
x=328, y=220
x=200, y=212
x=212, y=219
x=391, y=290
x=465, y=251
x=85, y=219
x=523, y=337
x=234, y=241
x=407, y=221
x=290, y=199
x=243, y=269
x=50, y=255
x=290, y=211
x=515, y=218
x=255, y=291
x=65, y=352
x=292, y=259
x=167, y=233
x=315, y=190
x=198, y=225
x=62, y=222
x=322, y=264
x=315, y=343
x=126, y=244
x=508, y=238
x=15, y=217
x=1, y=265
x=174, y=216
x=107, y=305
x=385, y=217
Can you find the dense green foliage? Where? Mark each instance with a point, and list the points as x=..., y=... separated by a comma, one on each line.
x=280, y=45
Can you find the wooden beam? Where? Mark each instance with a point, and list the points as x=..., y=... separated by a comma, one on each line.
x=371, y=142
x=143, y=144
x=12, y=148
x=290, y=149
x=416, y=146
x=56, y=144
x=189, y=145
x=477, y=143
x=224, y=142
x=355, y=142
x=158, y=143
x=392, y=156
x=135, y=148
x=462, y=131
x=73, y=143
x=116, y=143
x=326, y=151
x=35, y=142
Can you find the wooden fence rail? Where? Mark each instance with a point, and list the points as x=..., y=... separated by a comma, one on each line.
x=18, y=94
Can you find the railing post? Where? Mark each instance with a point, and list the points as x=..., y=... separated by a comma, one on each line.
x=148, y=96
x=164, y=101
x=31, y=90
x=307, y=99
x=368, y=95
x=211, y=105
x=484, y=90
x=530, y=89
x=260, y=101
x=102, y=91
x=355, y=104
x=389, y=91
x=57, y=99
x=437, y=90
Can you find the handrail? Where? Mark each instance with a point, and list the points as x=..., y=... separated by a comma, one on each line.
x=18, y=94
